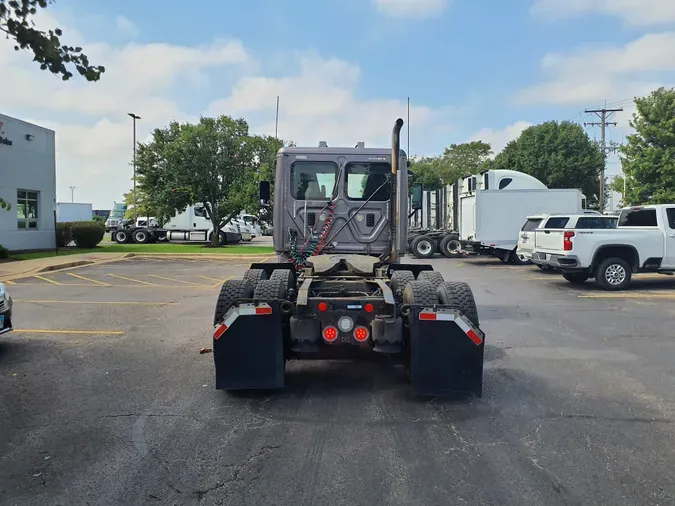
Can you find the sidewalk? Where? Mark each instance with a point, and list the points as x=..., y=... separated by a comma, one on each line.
x=27, y=268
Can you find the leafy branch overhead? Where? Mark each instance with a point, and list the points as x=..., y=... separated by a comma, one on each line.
x=16, y=22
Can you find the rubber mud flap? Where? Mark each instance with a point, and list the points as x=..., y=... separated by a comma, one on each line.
x=443, y=359
x=249, y=355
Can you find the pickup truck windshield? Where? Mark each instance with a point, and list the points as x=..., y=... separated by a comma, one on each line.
x=638, y=218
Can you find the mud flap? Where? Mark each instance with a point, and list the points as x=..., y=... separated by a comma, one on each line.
x=446, y=352
x=248, y=348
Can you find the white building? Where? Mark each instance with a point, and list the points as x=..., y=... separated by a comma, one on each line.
x=28, y=184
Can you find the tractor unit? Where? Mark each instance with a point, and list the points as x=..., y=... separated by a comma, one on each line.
x=338, y=289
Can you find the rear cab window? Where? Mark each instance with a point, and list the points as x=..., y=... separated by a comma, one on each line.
x=670, y=213
x=531, y=224
x=596, y=222
x=313, y=180
x=557, y=222
x=638, y=218
x=368, y=179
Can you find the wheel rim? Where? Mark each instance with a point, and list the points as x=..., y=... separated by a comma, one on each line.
x=453, y=247
x=615, y=274
x=121, y=236
x=140, y=236
x=423, y=247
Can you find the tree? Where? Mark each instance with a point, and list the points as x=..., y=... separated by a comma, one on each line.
x=560, y=155
x=461, y=160
x=141, y=202
x=16, y=21
x=426, y=170
x=648, y=157
x=4, y=204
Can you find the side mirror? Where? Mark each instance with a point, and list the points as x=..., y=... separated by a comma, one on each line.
x=264, y=192
x=417, y=189
x=411, y=174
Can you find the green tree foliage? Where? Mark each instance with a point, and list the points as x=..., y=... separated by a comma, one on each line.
x=648, y=157
x=560, y=155
x=16, y=22
x=426, y=172
x=215, y=162
x=4, y=204
x=461, y=160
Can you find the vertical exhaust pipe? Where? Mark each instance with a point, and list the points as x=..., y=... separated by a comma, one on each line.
x=395, y=198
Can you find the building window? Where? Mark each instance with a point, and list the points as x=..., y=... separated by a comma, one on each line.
x=27, y=209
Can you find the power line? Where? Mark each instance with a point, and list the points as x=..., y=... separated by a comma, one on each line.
x=604, y=114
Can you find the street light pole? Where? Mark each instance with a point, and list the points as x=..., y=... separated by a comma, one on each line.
x=134, y=117
x=72, y=194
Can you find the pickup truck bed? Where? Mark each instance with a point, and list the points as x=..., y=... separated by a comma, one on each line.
x=644, y=240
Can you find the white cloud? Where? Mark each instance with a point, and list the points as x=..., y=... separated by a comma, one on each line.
x=498, y=138
x=411, y=8
x=593, y=75
x=94, y=134
x=126, y=27
x=633, y=12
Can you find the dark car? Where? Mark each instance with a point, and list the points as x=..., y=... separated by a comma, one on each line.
x=5, y=310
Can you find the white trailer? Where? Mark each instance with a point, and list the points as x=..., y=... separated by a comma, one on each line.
x=492, y=207
x=73, y=211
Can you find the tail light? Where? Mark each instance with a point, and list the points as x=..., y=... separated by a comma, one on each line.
x=361, y=334
x=567, y=241
x=330, y=334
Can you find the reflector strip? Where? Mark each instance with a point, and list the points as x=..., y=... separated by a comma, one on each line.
x=461, y=321
x=237, y=311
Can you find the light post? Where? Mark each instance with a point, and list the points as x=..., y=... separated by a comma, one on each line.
x=134, y=117
x=72, y=194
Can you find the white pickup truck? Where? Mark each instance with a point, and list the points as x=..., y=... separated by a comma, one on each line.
x=643, y=241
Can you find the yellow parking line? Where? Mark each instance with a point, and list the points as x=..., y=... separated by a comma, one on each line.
x=112, y=302
x=84, y=332
x=174, y=280
x=210, y=279
x=48, y=280
x=8, y=282
x=132, y=280
x=221, y=282
x=87, y=279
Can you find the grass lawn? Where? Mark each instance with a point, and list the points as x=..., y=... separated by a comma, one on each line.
x=107, y=247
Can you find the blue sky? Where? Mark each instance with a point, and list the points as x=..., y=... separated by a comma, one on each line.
x=343, y=69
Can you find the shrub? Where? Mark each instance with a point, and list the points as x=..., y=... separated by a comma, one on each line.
x=64, y=234
x=4, y=252
x=87, y=234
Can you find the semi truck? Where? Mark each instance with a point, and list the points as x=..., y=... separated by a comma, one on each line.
x=339, y=289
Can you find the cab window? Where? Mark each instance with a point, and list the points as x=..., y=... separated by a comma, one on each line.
x=366, y=180
x=558, y=222
x=312, y=180
x=530, y=225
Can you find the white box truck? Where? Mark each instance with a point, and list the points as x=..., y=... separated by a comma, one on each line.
x=492, y=207
x=73, y=211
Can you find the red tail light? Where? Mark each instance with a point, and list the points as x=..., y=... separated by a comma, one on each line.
x=330, y=334
x=567, y=241
x=322, y=306
x=369, y=307
x=361, y=334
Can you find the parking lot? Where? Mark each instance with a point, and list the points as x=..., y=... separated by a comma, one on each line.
x=105, y=399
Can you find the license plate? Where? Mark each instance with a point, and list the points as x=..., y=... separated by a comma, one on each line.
x=2, y=320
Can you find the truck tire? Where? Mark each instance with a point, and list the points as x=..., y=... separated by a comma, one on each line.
x=423, y=247
x=419, y=292
x=577, y=278
x=613, y=274
x=516, y=260
x=459, y=295
x=255, y=275
x=222, y=238
x=231, y=290
x=267, y=289
x=285, y=275
x=121, y=236
x=433, y=277
x=398, y=282
x=141, y=237
x=450, y=246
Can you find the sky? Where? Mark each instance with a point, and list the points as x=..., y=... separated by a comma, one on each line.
x=343, y=71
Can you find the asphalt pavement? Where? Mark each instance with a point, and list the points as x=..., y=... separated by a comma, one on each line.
x=105, y=399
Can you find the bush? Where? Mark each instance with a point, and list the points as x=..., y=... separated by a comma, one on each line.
x=64, y=234
x=4, y=252
x=87, y=234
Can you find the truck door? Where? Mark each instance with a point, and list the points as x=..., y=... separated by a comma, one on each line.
x=669, y=260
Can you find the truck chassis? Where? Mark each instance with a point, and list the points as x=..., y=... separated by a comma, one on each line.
x=348, y=307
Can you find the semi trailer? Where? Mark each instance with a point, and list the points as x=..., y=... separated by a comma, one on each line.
x=338, y=290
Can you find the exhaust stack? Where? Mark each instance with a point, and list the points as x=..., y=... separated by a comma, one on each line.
x=395, y=200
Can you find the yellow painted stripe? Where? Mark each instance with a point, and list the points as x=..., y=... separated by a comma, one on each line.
x=112, y=302
x=101, y=283
x=221, y=282
x=83, y=332
x=643, y=295
x=210, y=279
x=132, y=280
x=174, y=280
x=8, y=282
x=49, y=280
x=149, y=285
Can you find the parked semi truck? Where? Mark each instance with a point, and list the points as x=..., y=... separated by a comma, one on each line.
x=339, y=289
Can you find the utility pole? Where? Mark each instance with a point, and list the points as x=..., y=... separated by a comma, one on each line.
x=276, y=121
x=604, y=114
x=134, y=117
x=72, y=194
